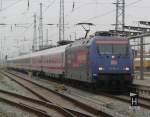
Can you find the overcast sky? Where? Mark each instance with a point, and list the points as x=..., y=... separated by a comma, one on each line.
x=99, y=12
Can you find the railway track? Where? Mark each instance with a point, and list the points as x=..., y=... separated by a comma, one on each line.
x=143, y=91
x=38, y=107
x=143, y=102
x=69, y=104
x=146, y=72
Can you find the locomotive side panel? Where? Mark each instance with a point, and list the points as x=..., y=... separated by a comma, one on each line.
x=77, y=63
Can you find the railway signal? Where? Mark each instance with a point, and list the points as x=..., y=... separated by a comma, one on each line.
x=134, y=101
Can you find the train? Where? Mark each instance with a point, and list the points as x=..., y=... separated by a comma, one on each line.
x=98, y=61
x=146, y=64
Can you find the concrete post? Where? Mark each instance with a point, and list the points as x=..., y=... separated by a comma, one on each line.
x=141, y=59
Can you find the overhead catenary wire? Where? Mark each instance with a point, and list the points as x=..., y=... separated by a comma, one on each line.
x=23, y=33
x=89, y=19
x=111, y=11
x=43, y=13
x=11, y=5
x=49, y=6
x=101, y=15
x=75, y=8
x=105, y=14
x=15, y=3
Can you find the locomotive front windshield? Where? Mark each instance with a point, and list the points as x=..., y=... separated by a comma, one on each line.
x=117, y=49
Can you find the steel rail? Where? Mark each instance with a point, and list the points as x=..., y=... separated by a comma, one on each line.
x=143, y=91
x=81, y=108
x=142, y=101
x=25, y=103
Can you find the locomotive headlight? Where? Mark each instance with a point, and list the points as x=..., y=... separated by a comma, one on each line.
x=127, y=68
x=101, y=68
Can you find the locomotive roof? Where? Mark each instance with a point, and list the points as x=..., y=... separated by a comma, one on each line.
x=43, y=52
x=88, y=41
x=110, y=37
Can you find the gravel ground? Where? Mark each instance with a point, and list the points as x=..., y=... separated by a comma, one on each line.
x=9, y=85
x=12, y=111
x=101, y=102
x=111, y=104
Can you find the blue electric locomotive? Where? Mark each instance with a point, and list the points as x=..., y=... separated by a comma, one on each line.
x=102, y=61
x=114, y=61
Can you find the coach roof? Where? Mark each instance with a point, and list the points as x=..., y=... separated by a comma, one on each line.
x=58, y=49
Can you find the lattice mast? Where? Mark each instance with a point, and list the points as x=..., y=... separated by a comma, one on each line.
x=41, y=28
x=34, y=46
x=61, y=21
x=120, y=15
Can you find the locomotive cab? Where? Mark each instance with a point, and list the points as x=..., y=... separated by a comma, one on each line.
x=111, y=61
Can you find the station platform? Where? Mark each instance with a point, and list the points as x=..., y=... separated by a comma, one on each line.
x=145, y=82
